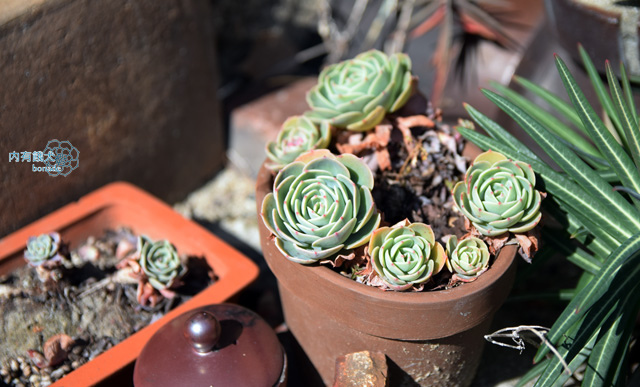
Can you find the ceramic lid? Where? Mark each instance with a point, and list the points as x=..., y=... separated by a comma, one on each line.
x=219, y=345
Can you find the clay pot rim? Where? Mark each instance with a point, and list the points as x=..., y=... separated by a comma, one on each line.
x=501, y=263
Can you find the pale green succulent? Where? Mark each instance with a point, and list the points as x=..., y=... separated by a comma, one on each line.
x=160, y=263
x=498, y=195
x=468, y=258
x=406, y=254
x=356, y=94
x=297, y=136
x=44, y=250
x=320, y=205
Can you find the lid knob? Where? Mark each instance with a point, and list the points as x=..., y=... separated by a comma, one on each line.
x=202, y=330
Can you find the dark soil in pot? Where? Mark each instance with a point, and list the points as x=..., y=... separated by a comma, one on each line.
x=94, y=311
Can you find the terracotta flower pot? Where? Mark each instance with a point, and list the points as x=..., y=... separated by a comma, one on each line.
x=436, y=338
x=121, y=204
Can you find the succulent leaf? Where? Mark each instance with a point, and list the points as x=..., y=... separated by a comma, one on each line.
x=297, y=136
x=324, y=208
x=405, y=254
x=43, y=250
x=468, y=258
x=498, y=195
x=160, y=263
x=356, y=94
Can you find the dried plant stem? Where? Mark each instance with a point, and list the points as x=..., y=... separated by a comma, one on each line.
x=514, y=333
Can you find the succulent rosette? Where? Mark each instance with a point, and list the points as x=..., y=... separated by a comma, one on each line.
x=406, y=254
x=498, y=195
x=468, y=258
x=320, y=205
x=297, y=136
x=356, y=94
x=160, y=263
x=44, y=250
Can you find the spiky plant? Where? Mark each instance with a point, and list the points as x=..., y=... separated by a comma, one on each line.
x=297, y=136
x=468, y=258
x=596, y=327
x=406, y=254
x=320, y=205
x=356, y=94
x=498, y=195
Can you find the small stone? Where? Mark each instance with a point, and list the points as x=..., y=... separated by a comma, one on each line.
x=26, y=370
x=361, y=368
x=4, y=371
x=13, y=364
x=21, y=360
x=20, y=385
x=75, y=364
x=33, y=379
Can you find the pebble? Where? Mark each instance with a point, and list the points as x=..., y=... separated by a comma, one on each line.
x=4, y=371
x=33, y=379
x=26, y=370
x=13, y=364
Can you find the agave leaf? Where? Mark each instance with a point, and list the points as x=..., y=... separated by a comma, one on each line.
x=608, y=353
x=626, y=86
x=565, y=109
x=625, y=259
x=498, y=133
x=554, y=374
x=601, y=92
x=558, y=185
x=612, y=151
x=533, y=372
x=627, y=116
x=575, y=255
x=548, y=120
x=624, y=212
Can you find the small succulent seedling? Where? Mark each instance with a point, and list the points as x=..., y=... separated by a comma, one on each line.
x=320, y=205
x=468, y=258
x=297, y=136
x=44, y=250
x=406, y=254
x=498, y=195
x=356, y=94
x=160, y=263
x=157, y=268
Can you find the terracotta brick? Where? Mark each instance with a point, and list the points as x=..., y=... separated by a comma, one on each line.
x=131, y=84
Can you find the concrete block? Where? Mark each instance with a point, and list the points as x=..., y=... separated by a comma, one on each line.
x=130, y=84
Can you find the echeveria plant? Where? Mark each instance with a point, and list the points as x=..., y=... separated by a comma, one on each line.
x=320, y=205
x=44, y=250
x=160, y=263
x=406, y=254
x=356, y=94
x=468, y=258
x=498, y=195
x=297, y=136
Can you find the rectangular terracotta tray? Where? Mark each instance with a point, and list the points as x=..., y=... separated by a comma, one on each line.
x=122, y=204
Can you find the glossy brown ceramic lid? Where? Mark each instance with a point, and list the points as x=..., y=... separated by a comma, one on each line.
x=215, y=345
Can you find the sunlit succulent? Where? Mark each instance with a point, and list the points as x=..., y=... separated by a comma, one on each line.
x=320, y=205
x=356, y=94
x=160, y=263
x=44, y=250
x=498, y=195
x=297, y=136
x=468, y=258
x=406, y=254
